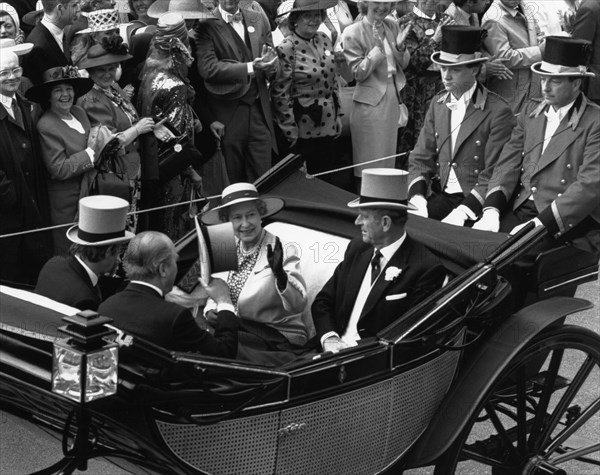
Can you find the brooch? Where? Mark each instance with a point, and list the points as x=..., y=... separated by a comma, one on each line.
x=392, y=273
x=251, y=29
x=177, y=148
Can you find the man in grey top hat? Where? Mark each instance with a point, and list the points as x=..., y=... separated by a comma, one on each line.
x=97, y=240
x=548, y=171
x=383, y=274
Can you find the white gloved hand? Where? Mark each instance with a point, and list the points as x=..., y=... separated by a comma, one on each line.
x=419, y=202
x=516, y=229
x=334, y=344
x=490, y=221
x=457, y=217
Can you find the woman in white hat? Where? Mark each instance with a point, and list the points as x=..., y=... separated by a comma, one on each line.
x=268, y=289
x=10, y=27
x=64, y=129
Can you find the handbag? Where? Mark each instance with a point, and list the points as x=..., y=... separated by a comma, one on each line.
x=111, y=178
x=175, y=156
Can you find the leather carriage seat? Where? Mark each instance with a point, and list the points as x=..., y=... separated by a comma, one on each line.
x=319, y=253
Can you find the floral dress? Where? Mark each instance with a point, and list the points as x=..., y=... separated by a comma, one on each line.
x=423, y=79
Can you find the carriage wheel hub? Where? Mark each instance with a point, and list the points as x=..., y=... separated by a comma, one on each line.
x=538, y=466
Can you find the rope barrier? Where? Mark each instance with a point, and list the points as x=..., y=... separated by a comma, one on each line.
x=189, y=202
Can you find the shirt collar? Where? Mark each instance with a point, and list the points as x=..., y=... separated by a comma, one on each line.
x=52, y=28
x=419, y=13
x=513, y=12
x=7, y=101
x=389, y=250
x=141, y=282
x=466, y=96
x=93, y=277
x=224, y=13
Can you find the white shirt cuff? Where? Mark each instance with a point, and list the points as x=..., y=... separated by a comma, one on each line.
x=250, y=68
x=327, y=335
x=225, y=306
x=91, y=154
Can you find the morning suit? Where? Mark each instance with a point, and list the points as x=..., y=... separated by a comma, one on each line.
x=23, y=198
x=141, y=311
x=563, y=180
x=375, y=101
x=65, y=158
x=420, y=275
x=46, y=54
x=513, y=36
x=222, y=56
x=261, y=301
x=65, y=280
x=587, y=27
x=485, y=129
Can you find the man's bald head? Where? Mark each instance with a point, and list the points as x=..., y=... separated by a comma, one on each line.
x=10, y=76
x=145, y=254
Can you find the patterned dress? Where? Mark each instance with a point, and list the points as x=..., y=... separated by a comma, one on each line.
x=305, y=96
x=423, y=79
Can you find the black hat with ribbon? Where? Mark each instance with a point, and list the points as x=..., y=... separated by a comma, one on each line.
x=461, y=46
x=565, y=56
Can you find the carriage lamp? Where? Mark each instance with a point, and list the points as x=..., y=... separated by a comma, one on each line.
x=85, y=364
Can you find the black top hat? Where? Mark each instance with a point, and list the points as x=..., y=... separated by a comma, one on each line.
x=565, y=56
x=461, y=45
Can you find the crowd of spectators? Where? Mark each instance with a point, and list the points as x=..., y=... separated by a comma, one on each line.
x=173, y=81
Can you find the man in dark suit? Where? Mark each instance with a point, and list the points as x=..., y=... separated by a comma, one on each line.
x=49, y=46
x=140, y=309
x=97, y=240
x=587, y=27
x=383, y=274
x=548, y=172
x=465, y=129
x=235, y=57
x=23, y=193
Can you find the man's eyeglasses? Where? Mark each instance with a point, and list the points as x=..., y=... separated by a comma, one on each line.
x=6, y=73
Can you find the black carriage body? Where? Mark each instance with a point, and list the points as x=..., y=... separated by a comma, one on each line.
x=396, y=401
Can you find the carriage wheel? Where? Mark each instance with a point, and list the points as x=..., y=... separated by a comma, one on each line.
x=541, y=416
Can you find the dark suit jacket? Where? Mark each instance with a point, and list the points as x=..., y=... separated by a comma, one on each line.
x=141, y=311
x=587, y=27
x=45, y=54
x=485, y=129
x=421, y=274
x=222, y=61
x=23, y=198
x=65, y=280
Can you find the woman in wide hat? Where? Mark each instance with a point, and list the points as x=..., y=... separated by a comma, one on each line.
x=64, y=129
x=267, y=289
x=305, y=93
x=107, y=104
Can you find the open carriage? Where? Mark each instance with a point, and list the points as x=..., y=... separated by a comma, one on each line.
x=463, y=376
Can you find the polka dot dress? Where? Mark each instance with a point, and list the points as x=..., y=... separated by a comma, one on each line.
x=246, y=261
x=307, y=78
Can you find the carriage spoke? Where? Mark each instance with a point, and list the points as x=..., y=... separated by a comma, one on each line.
x=574, y=387
x=544, y=400
x=521, y=411
x=574, y=454
x=569, y=431
x=506, y=440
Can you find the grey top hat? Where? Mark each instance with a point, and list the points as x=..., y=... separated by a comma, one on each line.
x=102, y=221
x=383, y=188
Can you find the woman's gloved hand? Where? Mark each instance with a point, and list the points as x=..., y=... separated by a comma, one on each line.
x=275, y=260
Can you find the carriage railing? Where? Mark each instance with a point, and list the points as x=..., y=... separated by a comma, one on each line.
x=463, y=293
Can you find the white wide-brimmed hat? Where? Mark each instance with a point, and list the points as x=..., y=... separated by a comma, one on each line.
x=461, y=46
x=383, y=188
x=188, y=9
x=240, y=193
x=564, y=56
x=102, y=221
x=8, y=44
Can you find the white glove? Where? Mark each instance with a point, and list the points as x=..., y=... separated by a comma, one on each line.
x=334, y=344
x=516, y=229
x=490, y=221
x=457, y=216
x=419, y=202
